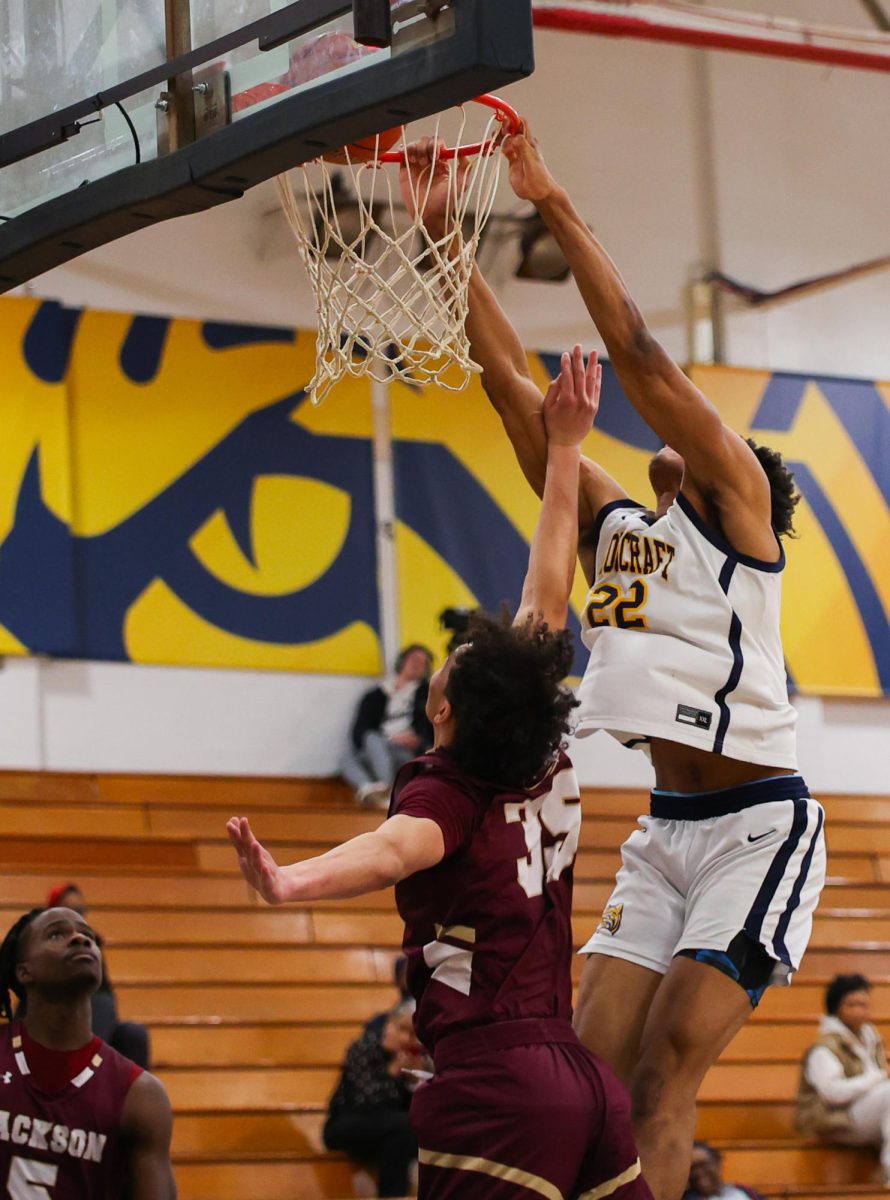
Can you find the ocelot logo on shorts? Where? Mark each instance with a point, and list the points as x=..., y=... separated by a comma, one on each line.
x=611, y=918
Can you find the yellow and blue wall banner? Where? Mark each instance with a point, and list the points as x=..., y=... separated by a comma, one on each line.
x=169, y=495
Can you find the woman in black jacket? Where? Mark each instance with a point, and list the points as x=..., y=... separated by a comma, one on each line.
x=390, y=728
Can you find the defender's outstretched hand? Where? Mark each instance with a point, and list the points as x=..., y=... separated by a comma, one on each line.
x=569, y=409
x=530, y=176
x=573, y=398
x=257, y=865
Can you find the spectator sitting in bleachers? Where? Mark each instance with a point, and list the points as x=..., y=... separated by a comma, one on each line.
x=844, y=1092
x=127, y=1037
x=706, y=1178
x=368, y=1113
x=390, y=728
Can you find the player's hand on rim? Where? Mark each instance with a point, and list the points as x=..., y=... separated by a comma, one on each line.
x=257, y=865
x=530, y=177
x=427, y=182
x=572, y=400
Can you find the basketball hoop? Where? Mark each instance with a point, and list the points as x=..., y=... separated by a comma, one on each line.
x=391, y=298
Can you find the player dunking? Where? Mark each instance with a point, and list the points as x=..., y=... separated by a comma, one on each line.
x=78, y=1121
x=716, y=894
x=480, y=843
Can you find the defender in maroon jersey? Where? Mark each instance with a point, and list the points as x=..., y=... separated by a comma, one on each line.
x=480, y=842
x=488, y=929
x=78, y=1121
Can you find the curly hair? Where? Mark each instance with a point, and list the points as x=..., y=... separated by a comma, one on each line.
x=9, y=960
x=783, y=494
x=505, y=687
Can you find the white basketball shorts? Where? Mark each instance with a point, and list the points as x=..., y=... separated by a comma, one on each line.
x=707, y=866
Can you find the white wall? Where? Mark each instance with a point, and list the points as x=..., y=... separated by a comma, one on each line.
x=771, y=171
x=89, y=716
x=78, y=716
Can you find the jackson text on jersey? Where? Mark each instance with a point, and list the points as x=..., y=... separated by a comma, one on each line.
x=23, y=1130
x=61, y=1140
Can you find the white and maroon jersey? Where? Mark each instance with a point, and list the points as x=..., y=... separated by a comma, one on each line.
x=488, y=930
x=684, y=639
x=63, y=1144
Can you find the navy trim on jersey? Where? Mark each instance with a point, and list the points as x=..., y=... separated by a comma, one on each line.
x=723, y=545
x=700, y=806
x=776, y=873
x=604, y=512
x=738, y=661
x=794, y=899
x=735, y=674
x=726, y=574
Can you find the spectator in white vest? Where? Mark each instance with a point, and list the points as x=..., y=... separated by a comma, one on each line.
x=844, y=1093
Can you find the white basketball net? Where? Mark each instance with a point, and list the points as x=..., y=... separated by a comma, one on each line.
x=391, y=299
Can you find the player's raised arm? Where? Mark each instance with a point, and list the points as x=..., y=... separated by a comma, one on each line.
x=514, y=395
x=570, y=408
x=147, y=1128
x=367, y=863
x=718, y=460
x=496, y=347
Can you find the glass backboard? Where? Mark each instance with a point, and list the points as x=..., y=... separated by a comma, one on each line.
x=134, y=111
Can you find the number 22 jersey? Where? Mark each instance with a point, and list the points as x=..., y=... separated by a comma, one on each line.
x=684, y=638
x=488, y=931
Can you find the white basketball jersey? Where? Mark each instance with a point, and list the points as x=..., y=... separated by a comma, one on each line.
x=684, y=640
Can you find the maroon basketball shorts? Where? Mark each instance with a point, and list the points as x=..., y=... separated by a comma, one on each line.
x=519, y=1110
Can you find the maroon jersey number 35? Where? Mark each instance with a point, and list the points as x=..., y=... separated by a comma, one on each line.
x=488, y=931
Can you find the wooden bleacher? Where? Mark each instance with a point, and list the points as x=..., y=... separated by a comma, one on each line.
x=251, y=1008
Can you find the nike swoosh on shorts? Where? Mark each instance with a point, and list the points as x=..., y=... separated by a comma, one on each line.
x=760, y=836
